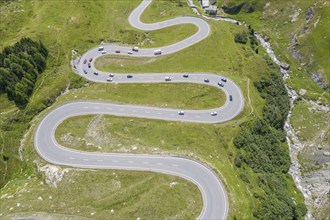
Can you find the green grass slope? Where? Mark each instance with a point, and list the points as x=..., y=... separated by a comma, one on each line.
x=82, y=25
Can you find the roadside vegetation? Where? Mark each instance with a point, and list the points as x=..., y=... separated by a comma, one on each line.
x=165, y=95
x=57, y=25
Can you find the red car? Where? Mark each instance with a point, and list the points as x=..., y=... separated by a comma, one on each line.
x=85, y=61
x=117, y=51
x=90, y=60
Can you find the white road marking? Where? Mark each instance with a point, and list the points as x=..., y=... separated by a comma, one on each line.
x=71, y=158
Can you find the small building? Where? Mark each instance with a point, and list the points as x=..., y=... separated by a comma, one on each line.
x=205, y=4
x=212, y=10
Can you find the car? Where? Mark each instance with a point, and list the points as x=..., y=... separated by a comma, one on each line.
x=214, y=113
x=109, y=79
x=117, y=51
x=89, y=65
x=167, y=78
x=129, y=52
x=158, y=52
x=136, y=49
x=224, y=80
x=101, y=48
x=220, y=84
x=90, y=60
x=111, y=75
x=129, y=76
x=96, y=73
x=206, y=80
x=85, y=71
x=185, y=75
x=230, y=98
x=181, y=112
x=85, y=61
x=104, y=52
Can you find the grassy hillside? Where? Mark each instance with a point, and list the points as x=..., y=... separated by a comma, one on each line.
x=82, y=25
x=298, y=32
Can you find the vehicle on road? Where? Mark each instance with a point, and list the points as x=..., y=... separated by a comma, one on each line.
x=158, y=52
x=185, y=75
x=85, y=61
x=129, y=76
x=85, y=71
x=111, y=75
x=230, y=98
x=96, y=73
x=89, y=65
x=101, y=48
x=117, y=51
x=181, y=112
x=136, y=49
x=130, y=52
x=167, y=78
x=90, y=60
x=109, y=79
x=214, y=113
x=220, y=84
x=224, y=80
x=104, y=52
x=206, y=80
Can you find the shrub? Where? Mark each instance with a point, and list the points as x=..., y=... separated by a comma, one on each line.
x=241, y=38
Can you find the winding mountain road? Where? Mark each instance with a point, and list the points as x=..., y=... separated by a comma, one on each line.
x=214, y=196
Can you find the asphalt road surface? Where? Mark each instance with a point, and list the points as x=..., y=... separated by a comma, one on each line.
x=214, y=196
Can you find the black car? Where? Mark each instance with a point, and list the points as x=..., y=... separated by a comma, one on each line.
x=129, y=76
x=185, y=75
x=96, y=73
x=89, y=65
x=230, y=98
x=224, y=80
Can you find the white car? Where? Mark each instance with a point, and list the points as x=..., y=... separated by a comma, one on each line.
x=214, y=113
x=104, y=52
x=181, y=112
x=130, y=52
x=109, y=79
x=167, y=78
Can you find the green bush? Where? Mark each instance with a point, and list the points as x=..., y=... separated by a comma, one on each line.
x=241, y=38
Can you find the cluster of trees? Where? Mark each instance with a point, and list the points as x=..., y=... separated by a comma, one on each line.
x=262, y=147
x=241, y=38
x=20, y=66
x=253, y=40
x=244, y=37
